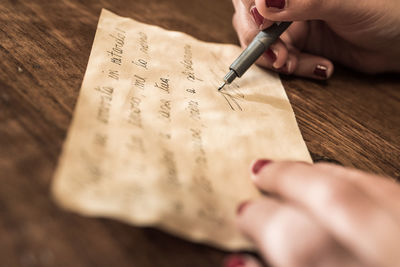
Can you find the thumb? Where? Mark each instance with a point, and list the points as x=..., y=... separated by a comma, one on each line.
x=297, y=10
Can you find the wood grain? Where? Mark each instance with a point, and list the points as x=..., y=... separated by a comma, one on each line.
x=353, y=119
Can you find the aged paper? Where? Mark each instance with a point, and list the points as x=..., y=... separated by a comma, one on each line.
x=153, y=142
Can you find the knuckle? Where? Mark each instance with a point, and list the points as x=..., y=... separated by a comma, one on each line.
x=336, y=193
x=277, y=228
x=284, y=232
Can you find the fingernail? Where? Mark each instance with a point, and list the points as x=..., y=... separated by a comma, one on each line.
x=258, y=18
x=270, y=54
x=280, y=4
x=321, y=71
x=259, y=165
x=234, y=261
x=242, y=206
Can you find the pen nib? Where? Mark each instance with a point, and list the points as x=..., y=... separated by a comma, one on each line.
x=222, y=86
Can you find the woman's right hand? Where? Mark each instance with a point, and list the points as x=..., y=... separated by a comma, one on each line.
x=364, y=35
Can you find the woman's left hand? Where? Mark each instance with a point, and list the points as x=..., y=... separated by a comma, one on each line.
x=321, y=215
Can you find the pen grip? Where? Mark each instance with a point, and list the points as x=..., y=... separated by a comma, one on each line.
x=257, y=47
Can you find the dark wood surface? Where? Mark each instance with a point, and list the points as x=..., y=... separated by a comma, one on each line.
x=352, y=119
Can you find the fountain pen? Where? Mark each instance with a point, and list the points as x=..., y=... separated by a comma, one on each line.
x=256, y=48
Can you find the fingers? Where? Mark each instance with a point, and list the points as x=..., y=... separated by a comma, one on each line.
x=247, y=22
x=275, y=57
x=343, y=208
x=312, y=66
x=286, y=236
x=304, y=64
x=298, y=10
x=290, y=65
x=247, y=29
x=299, y=64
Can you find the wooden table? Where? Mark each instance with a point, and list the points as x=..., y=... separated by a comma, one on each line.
x=352, y=119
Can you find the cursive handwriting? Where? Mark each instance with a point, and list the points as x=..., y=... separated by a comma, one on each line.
x=115, y=53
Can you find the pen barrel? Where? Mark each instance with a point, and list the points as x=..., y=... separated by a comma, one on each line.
x=257, y=47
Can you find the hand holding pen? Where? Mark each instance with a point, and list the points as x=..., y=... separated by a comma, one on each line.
x=324, y=32
x=315, y=215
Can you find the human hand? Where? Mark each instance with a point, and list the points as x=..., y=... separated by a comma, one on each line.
x=364, y=35
x=321, y=215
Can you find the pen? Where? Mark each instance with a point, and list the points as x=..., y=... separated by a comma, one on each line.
x=256, y=48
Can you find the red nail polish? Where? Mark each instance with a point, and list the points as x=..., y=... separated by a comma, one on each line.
x=321, y=71
x=259, y=165
x=280, y=4
x=234, y=261
x=270, y=54
x=258, y=18
x=242, y=206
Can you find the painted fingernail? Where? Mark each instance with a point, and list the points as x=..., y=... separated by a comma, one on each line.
x=259, y=165
x=270, y=54
x=280, y=4
x=242, y=206
x=258, y=18
x=234, y=261
x=321, y=71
